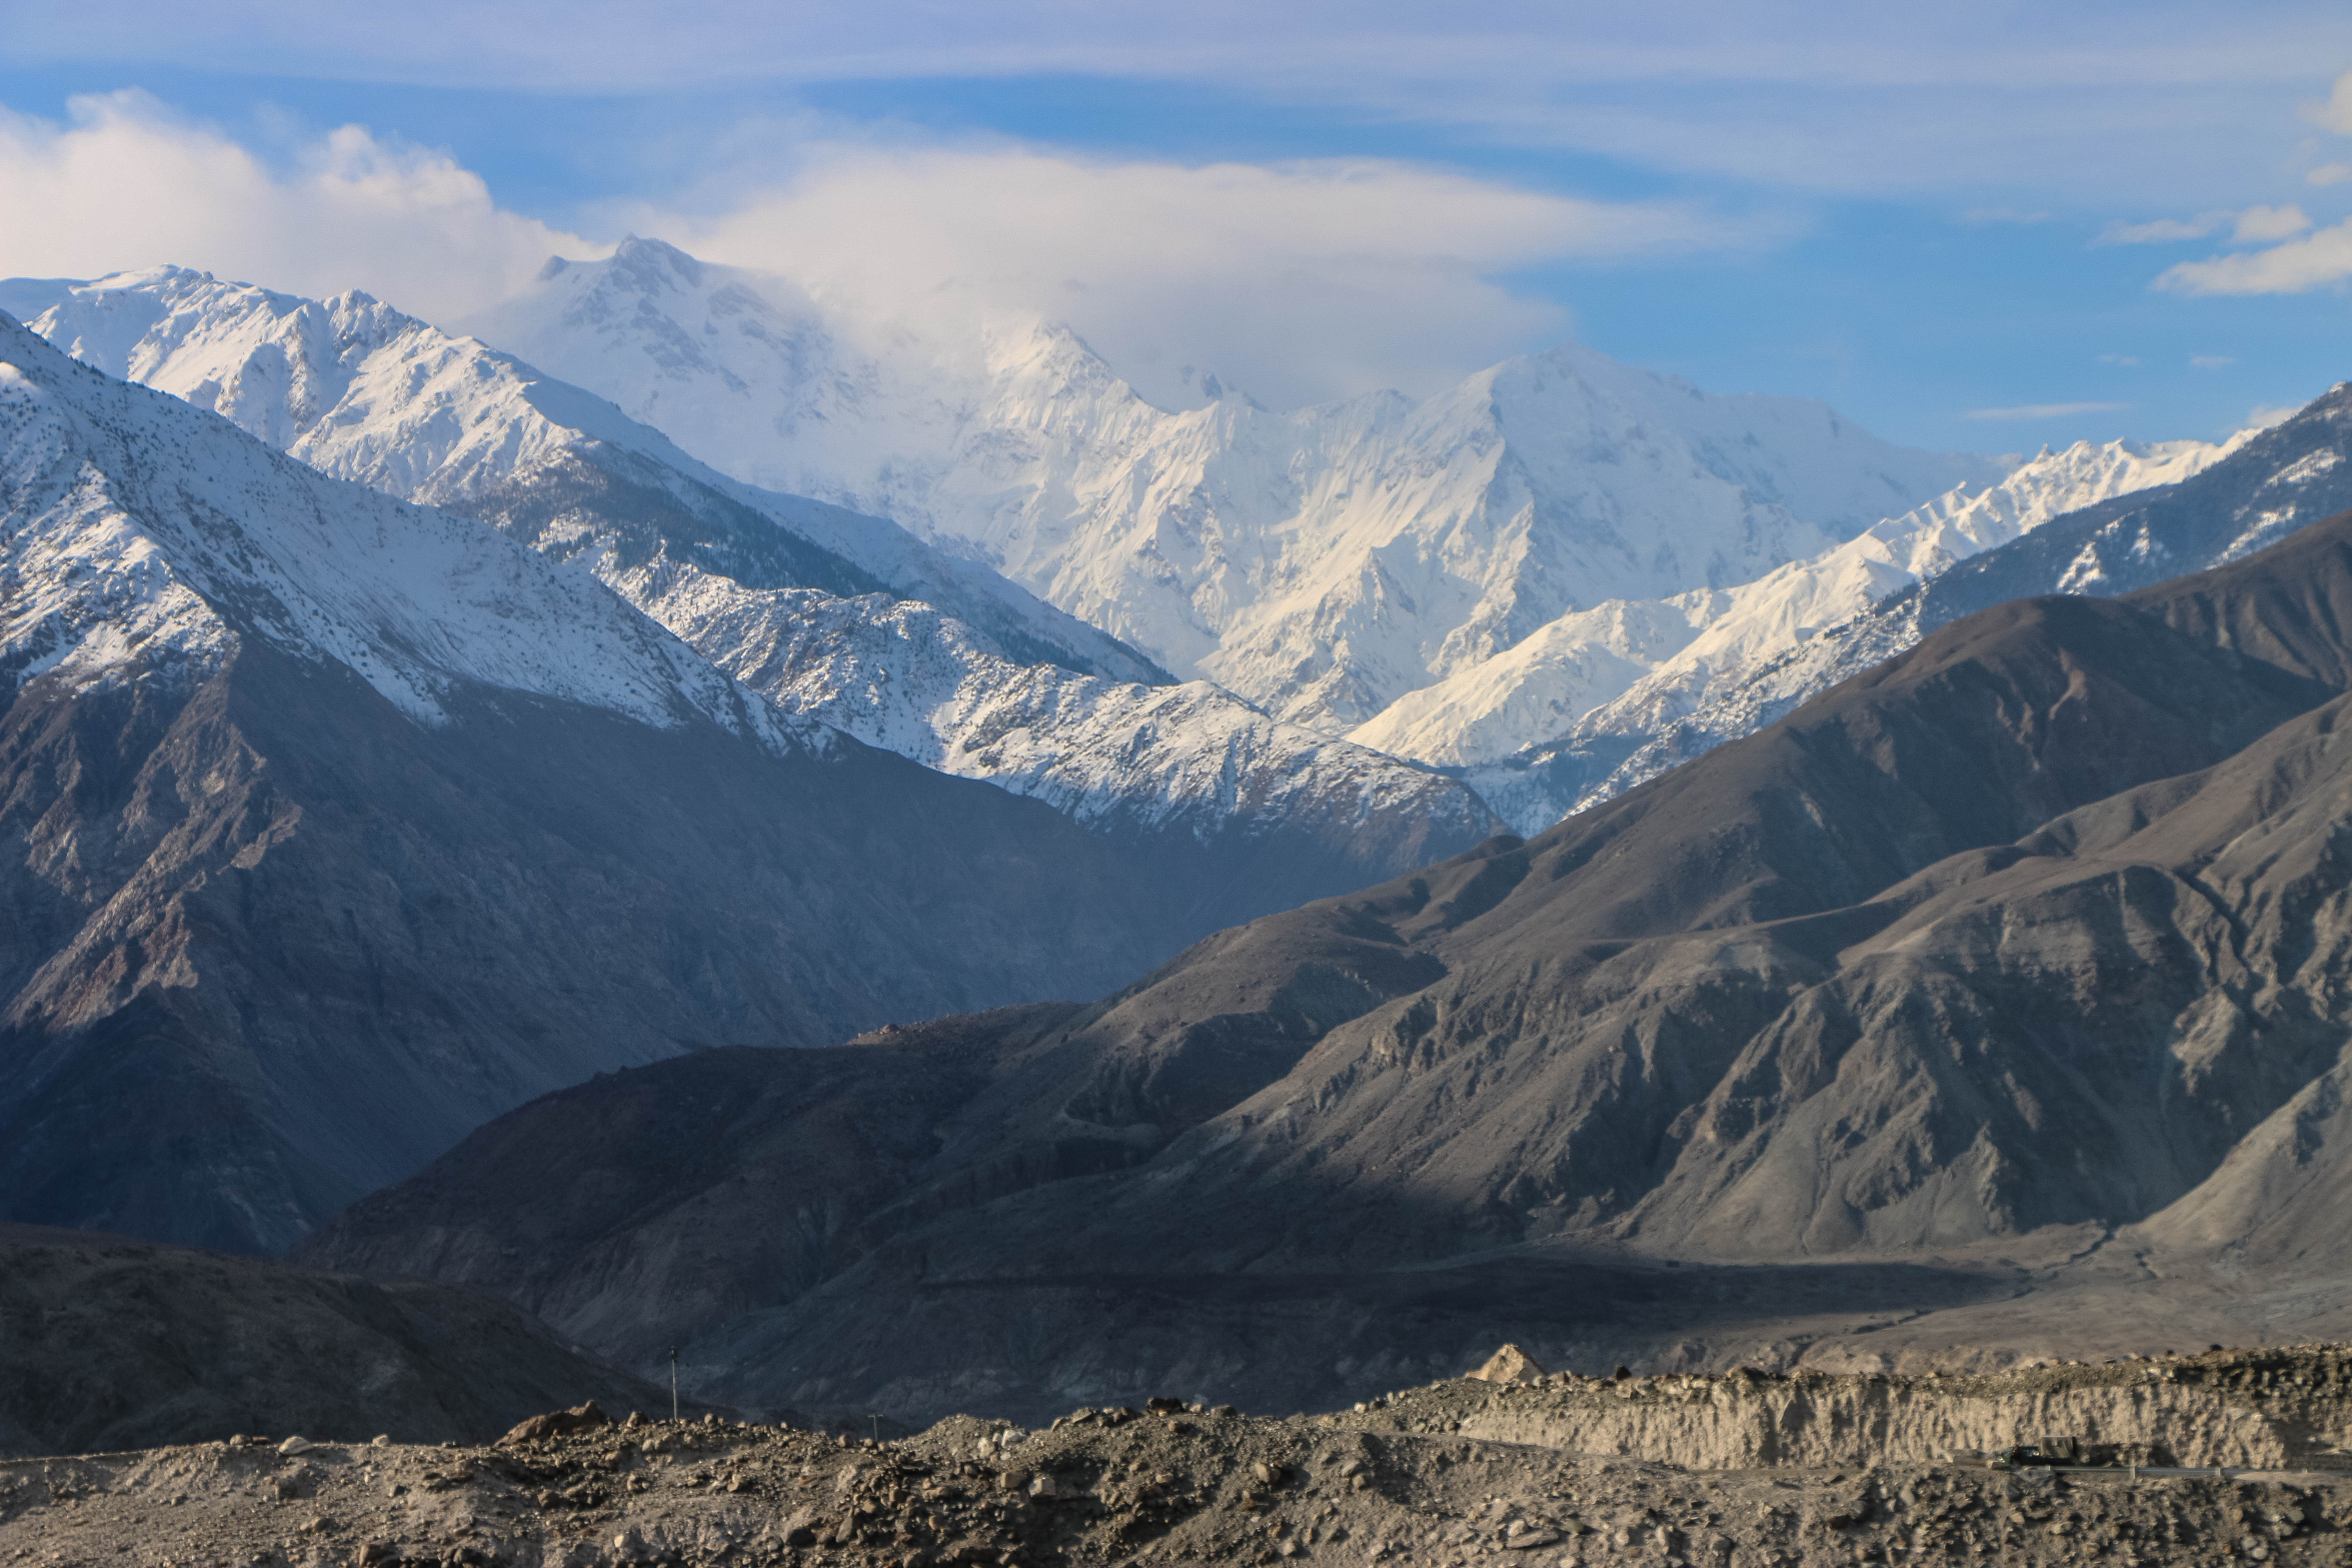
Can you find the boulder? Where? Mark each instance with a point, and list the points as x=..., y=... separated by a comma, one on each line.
x=556, y=1422
x=1509, y=1364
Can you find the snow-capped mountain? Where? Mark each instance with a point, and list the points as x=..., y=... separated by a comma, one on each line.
x=332, y=825
x=2166, y=511
x=356, y=389
x=1650, y=661
x=135, y=548
x=1322, y=562
x=835, y=615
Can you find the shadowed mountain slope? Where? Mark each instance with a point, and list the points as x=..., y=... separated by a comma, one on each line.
x=114, y=1343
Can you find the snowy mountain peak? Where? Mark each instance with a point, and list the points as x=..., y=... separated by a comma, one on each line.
x=363, y=391
x=146, y=538
x=743, y=576
x=1323, y=562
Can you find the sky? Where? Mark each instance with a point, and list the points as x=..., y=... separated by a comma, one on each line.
x=1989, y=228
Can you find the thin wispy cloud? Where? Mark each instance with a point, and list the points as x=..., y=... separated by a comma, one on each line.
x=2162, y=231
x=2251, y=225
x=2314, y=261
x=2212, y=361
x=2046, y=410
x=1833, y=95
x=2335, y=113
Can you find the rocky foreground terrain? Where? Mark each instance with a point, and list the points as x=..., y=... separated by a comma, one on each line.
x=2222, y=1457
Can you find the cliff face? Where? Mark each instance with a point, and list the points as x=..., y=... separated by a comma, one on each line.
x=2277, y=1410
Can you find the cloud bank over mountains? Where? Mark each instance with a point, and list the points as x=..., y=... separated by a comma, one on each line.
x=1299, y=282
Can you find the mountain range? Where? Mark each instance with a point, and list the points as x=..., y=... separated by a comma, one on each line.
x=2202, y=506
x=1463, y=564
x=1320, y=562
x=2001, y=984
x=432, y=793
x=336, y=825
x=843, y=619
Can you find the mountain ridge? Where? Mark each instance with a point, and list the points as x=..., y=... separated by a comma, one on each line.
x=1896, y=1006
x=335, y=825
x=1318, y=563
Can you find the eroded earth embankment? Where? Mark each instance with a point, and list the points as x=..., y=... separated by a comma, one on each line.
x=1724, y=1472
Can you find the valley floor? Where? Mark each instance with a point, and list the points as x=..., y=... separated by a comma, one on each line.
x=1558, y=1472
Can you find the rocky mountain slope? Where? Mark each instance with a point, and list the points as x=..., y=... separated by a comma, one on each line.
x=1450, y=1473
x=2205, y=507
x=1322, y=562
x=334, y=826
x=114, y=1343
x=835, y=617
x=2012, y=966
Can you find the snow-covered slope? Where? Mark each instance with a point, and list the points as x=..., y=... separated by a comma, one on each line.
x=142, y=540
x=1323, y=562
x=356, y=389
x=2071, y=522
x=835, y=617
x=1113, y=754
x=1641, y=664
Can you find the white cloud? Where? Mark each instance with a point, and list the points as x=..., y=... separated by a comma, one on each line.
x=2335, y=113
x=1295, y=282
x=2311, y=262
x=2046, y=410
x=2212, y=361
x=126, y=183
x=2120, y=359
x=2100, y=101
x=2256, y=225
x=2329, y=174
x=2259, y=226
x=2163, y=230
x=2262, y=416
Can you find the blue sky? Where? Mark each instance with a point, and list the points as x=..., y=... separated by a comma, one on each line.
x=1989, y=228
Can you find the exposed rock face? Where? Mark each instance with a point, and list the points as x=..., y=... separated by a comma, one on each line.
x=113, y=1344
x=2135, y=1412
x=1509, y=1364
x=2030, y=936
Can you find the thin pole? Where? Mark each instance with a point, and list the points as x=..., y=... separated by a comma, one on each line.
x=673, y=1383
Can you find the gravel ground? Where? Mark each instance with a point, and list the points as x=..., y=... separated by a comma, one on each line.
x=1155, y=1489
